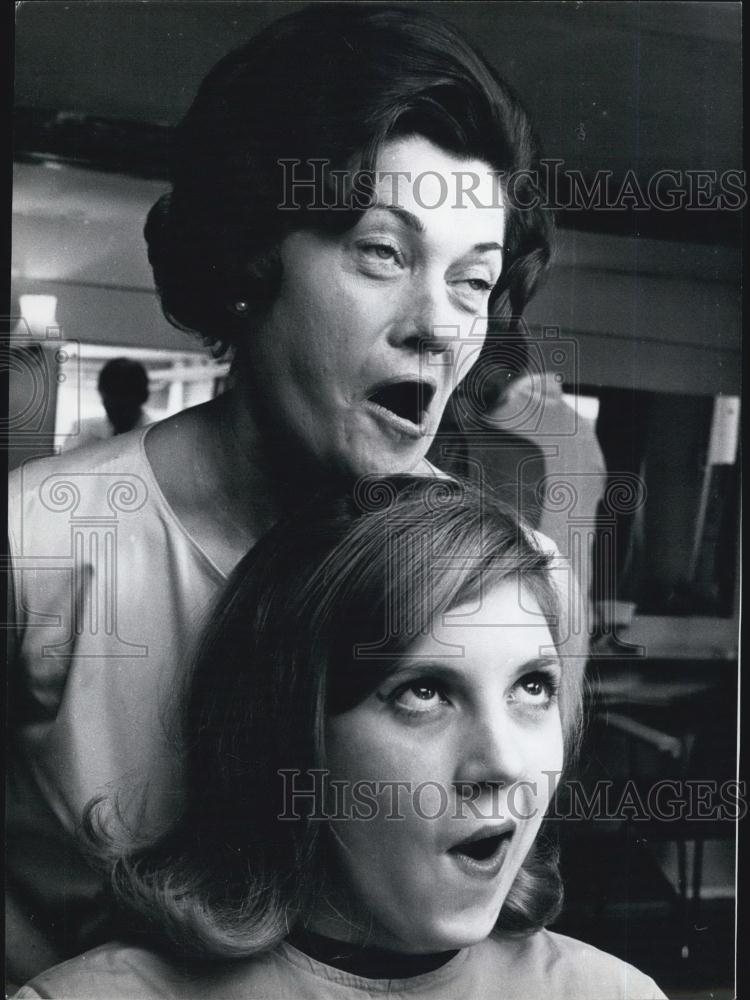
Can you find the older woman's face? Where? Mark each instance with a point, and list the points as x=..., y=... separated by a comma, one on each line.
x=373, y=329
x=448, y=768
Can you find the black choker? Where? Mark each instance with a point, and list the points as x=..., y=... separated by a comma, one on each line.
x=369, y=963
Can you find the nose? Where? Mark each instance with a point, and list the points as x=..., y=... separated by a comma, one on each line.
x=425, y=323
x=492, y=751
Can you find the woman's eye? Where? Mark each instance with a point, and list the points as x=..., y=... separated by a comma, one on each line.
x=538, y=689
x=381, y=252
x=473, y=293
x=479, y=285
x=419, y=697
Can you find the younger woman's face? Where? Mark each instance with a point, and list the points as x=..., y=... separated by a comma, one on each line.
x=373, y=328
x=449, y=767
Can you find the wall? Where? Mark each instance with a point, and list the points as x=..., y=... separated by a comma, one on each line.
x=77, y=234
x=646, y=314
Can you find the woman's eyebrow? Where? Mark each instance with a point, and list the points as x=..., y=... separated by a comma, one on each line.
x=408, y=218
x=445, y=670
x=412, y=667
x=414, y=222
x=487, y=247
x=540, y=663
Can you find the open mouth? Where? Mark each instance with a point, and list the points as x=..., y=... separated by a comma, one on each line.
x=408, y=399
x=482, y=856
x=481, y=850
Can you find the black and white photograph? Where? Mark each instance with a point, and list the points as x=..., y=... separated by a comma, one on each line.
x=373, y=551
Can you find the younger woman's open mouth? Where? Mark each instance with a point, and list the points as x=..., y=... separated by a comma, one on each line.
x=483, y=853
x=402, y=404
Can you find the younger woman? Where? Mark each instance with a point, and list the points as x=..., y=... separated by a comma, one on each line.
x=379, y=715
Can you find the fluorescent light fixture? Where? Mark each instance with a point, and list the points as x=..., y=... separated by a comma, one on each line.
x=40, y=312
x=585, y=406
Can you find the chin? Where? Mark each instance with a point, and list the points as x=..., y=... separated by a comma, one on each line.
x=452, y=932
x=384, y=463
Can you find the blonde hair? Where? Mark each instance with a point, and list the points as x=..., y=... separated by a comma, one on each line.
x=230, y=879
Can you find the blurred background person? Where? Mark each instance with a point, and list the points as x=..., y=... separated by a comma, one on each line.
x=511, y=430
x=124, y=389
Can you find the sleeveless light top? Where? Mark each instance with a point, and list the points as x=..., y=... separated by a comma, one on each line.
x=111, y=595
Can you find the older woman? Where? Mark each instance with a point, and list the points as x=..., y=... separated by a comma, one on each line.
x=339, y=219
x=380, y=712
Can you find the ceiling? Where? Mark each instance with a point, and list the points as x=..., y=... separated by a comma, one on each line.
x=614, y=86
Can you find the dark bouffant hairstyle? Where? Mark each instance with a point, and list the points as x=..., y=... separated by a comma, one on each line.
x=371, y=569
x=331, y=83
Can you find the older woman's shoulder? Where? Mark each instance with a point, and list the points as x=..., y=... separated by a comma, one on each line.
x=122, y=455
x=564, y=969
